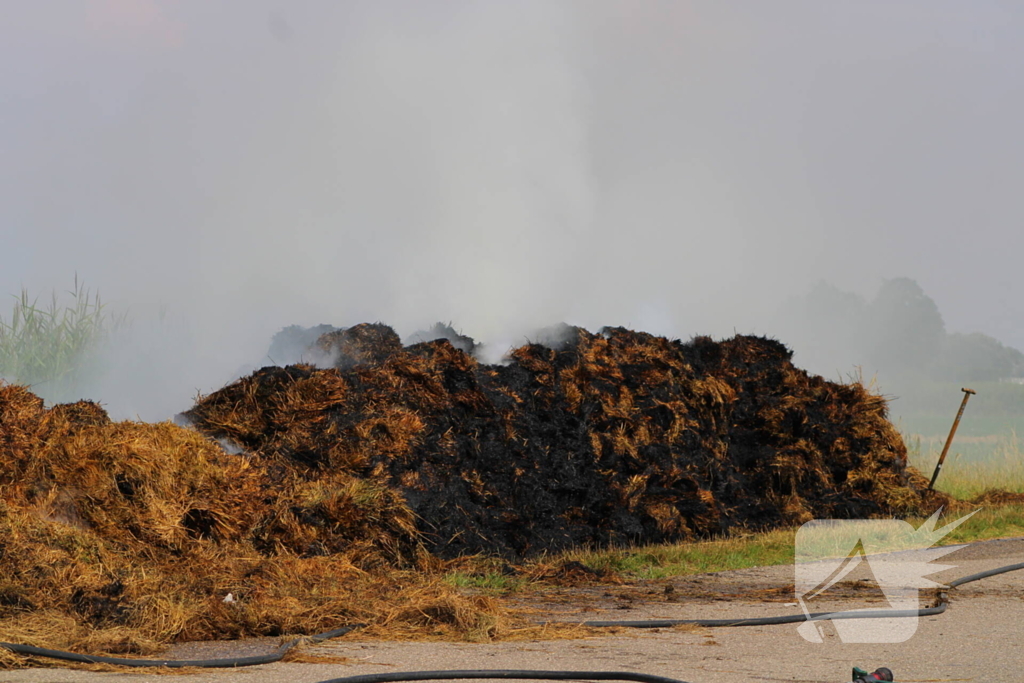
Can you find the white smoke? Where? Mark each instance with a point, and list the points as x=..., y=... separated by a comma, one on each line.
x=506, y=166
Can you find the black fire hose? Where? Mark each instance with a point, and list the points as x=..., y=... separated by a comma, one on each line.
x=530, y=674
x=814, y=616
x=771, y=621
x=226, y=662
x=986, y=574
x=509, y=673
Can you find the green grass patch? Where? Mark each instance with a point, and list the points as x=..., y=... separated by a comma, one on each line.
x=487, y=582
x=660, y=561
x=644, y=562
x=770, y=548
x=1003, y=521
x=485, y=574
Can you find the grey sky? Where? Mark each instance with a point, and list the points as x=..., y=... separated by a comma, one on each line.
x=675, y=166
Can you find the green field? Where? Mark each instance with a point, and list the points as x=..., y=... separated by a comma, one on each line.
x=972, y=467
x=928, y=408
x=986, y=451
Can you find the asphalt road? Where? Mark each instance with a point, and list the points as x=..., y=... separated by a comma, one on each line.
x=979, y=638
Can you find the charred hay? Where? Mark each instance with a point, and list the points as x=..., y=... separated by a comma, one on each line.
x=589, y=439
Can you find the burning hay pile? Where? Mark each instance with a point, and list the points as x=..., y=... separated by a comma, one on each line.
x=118, y=537
x=341, y=484
x=593, y=439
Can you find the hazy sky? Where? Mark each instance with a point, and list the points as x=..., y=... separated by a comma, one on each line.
x=675, y=166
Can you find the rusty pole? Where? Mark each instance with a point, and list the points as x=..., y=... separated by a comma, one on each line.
x=945, y=449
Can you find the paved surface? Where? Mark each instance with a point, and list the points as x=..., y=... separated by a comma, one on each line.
x=979, y=638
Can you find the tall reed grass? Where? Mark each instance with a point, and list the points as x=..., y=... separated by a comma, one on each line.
x=48, y=346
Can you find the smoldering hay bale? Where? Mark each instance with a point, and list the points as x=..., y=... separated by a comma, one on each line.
x=592, y=439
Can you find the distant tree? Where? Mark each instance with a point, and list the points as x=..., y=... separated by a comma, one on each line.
x=899, y=334
x=906, y=330
x=976, y=357
x=824, y=328
x=827, y=303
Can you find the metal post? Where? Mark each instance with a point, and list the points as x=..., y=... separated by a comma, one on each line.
x=945, y=449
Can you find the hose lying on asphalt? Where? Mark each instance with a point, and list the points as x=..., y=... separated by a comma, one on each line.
x=770, y=621
x=985, y=574
x=532, y=674
x=279, y=654
x=226, y=662
x=794, y=618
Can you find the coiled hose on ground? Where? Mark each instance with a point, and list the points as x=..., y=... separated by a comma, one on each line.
x=279, y=654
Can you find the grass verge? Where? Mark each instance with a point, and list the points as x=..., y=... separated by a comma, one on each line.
x=661, y=561
x=991, y=521
x=775, y=547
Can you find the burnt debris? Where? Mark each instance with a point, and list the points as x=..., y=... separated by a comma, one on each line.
x=586, y=439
